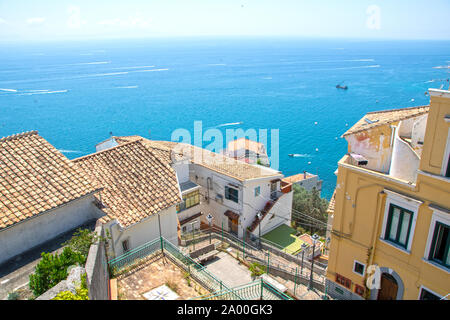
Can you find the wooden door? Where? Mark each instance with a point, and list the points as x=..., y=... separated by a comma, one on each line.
x=233, y=225
x=388, y=288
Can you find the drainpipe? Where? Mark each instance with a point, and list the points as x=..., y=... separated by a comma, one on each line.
x=377, y=219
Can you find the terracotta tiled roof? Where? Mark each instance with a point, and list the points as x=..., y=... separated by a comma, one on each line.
x=245, y=144
x=169, y=150
x=298, y=177
x=330, y=209
x=36, y=177
x=379, y=118
x=232, y=215
x=137, y=184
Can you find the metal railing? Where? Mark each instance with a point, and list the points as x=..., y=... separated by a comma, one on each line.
x=257, y=290
x=296, y=270
x=141, y=254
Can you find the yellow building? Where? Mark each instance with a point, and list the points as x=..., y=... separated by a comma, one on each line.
x=391, y=218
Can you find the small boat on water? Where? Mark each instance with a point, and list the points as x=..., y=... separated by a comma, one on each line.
x=340, y=86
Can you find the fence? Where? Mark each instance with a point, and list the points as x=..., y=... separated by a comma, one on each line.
x=257, y=290
x=253, y=248
x=272, y=259
x=159, y=246
x=198, y=272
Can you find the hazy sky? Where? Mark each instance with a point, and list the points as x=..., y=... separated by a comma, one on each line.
x=64, y=19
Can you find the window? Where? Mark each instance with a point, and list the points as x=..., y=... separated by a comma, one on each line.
x=447, y=172
x=125, y=245
x=343, y=281
x=359, y=290
x=427, y=295
x=232, y=194
x=257, y=191
x=440, y=245
x=359, y=268
x=398, y=225
x=189, y=200
x=445, y=169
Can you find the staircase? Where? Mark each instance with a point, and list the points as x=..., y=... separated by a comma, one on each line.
x=264, y=212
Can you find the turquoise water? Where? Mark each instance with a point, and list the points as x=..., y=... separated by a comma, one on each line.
x=76, y=93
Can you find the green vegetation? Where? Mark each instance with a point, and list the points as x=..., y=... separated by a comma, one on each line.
x=52, y=269
x=312, y=205
x=81, y=292
x=257, y=269
x=284, y=237
x=82, y=240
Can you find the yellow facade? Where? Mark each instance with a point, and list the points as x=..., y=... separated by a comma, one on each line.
x=362, y=216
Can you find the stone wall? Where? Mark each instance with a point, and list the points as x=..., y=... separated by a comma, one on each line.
x=97, y=275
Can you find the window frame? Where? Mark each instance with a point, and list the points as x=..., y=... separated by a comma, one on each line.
x=423, y=288
x=445, y=169
x=396, y=241
x=127, y=242
x=364, y=268
x=258, y=188
x=404, y=202
x=227, y=194
x=433, y=244
x=441, y=216
x=191, y=196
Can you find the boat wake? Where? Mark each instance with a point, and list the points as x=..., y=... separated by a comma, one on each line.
x=299, y=155
x=229, y=124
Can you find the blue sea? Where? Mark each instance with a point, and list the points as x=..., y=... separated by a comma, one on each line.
x=76, y=93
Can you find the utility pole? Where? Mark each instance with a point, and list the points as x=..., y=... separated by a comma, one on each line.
x=193, y=235
x=304, y=246
x=259, y=215
x=314, y=237
x=160, y=234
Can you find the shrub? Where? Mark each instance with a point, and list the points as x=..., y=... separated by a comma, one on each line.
x=257, y=269
x=52, y=269
x=82, y=240
x=82, y=294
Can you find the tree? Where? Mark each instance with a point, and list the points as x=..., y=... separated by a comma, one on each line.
x=310, y=204
x=52, y=269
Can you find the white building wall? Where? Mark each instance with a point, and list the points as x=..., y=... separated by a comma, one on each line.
x=200, y=175
x=254, y=204
x=110, y=143
x=405, y=162
x=144, y=231
x=379, y=157
x=35, y=231
x=278, y=215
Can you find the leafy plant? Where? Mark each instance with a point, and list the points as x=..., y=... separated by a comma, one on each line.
x=81, y=292
x=82, y=240
x=256, y=269
x=187, y=277
x=52, y=269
